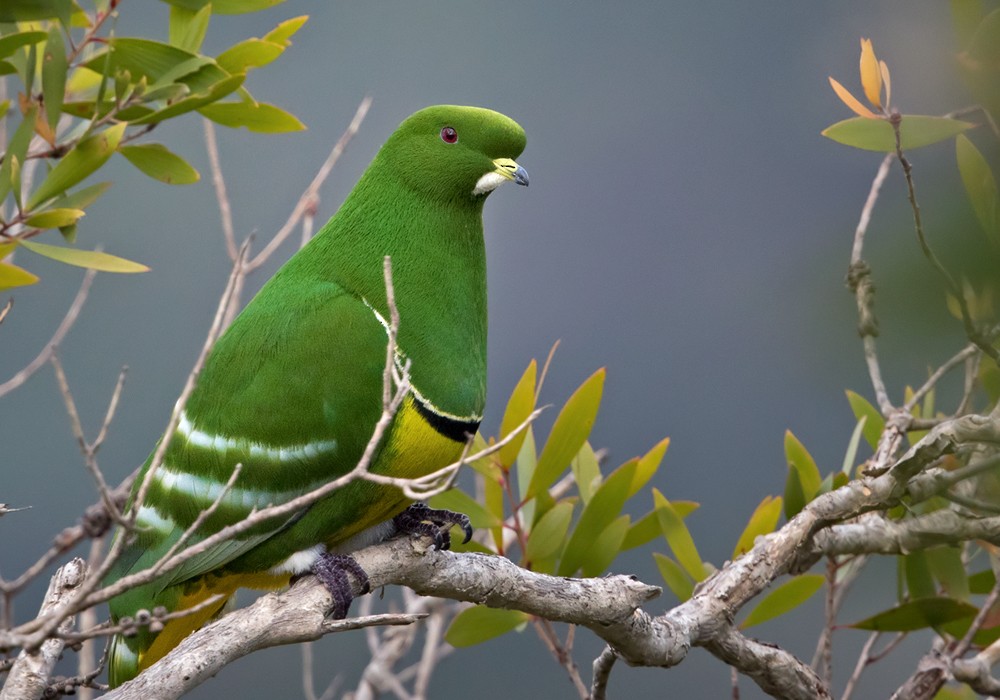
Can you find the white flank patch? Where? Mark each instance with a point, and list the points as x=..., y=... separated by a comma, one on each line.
x=489, y=182
x=373, y=535
x=122, y=654
x=150, y=518
x=257, y=450
x=400, y=362
x=298, y=562
x=198, y=487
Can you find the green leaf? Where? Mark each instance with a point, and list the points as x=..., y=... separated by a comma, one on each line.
x=249, y=53
x=948, y=568
x=527, y=461
x=479, y=624
x=6, y=68
x=17, y=149
x=255, y=116
x=965, y=17
x=30, y=10
x=798, y=458
x=586, y=471
x=674, y=576
x=919, y=581
x=13, y=276
x=606, y=547
x=604, y=507
x=648, y=464
x=159, y=63
x=10, y=43
x=785, y=598
x=549, y=533
x=83, y=159
x=570, y=430
x=763, y=521
x=877, y=134
x=918, y=614
x=982, y=582
x=678, y=537
x=284, y=31
x=460, y=502
x=90, y=259
x=985, y=44
x=795, y=499
x=647, y=528
x=874, y=422
x=192, y=102
x=156, y=161
x=54, y=218
x=981, y=187
x=851, y=455
x=519, y=406
x=188, y=27
x=54, y=68
x=82, y=198
x=226, y=7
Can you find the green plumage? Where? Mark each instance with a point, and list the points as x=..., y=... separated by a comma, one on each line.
x=293, y=389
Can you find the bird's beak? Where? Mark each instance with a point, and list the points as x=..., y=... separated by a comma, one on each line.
x=510, y=170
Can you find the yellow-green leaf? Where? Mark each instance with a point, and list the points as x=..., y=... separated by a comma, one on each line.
x=519, y=406
x=457, y=500
x=981, y=187
x=678, y=537
x=605, y=506
x=188, y=27
x=192, y=102
x=17, y=149
x=160, y=164
x=795, y=499
x=648, y=464
x=918, y=614
x=786, y=597
x=874, y=422
x=255, y=116
x=549, y=533
x=877, y=134
x=227, y=7
x=284, y=31
x=763, y=521
x=90, y=259
x=587, y=471
x=647, y=528
x=54, y=218
x=919, y=580
x=798, y=458
x=570, y=430
x=948, y=568
x=14, y=276
x=10, y=43
x=674, y=576
x=82, y=198
x=850, y=456
x=54, y=68
x=479, y=624
x=606, y=547
x=83, y=159
x=247, y=54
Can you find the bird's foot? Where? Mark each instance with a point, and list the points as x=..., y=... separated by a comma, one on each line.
x=332, y=570
x=419, y=519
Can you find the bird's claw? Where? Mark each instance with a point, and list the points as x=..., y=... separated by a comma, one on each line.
x=332, y=571
x=420, y=519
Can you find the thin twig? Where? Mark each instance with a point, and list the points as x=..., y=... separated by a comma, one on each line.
x=219, y=182
x=68, y=320
x=602, y=672
x=306, y=200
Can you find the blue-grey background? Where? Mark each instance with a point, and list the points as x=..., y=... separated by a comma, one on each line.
x=686, y=226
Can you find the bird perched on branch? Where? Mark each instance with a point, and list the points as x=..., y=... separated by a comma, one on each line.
x=293, y=389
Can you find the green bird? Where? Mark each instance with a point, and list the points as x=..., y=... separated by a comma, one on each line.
x=293, y=389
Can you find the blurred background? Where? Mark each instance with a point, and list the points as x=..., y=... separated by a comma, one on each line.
x=686, y=226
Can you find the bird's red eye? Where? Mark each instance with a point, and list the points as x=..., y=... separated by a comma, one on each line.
x=449, y=135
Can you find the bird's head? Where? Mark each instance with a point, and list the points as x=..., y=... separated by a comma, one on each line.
x=455, y=153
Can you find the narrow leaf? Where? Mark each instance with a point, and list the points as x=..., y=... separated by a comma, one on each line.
x=570, y=430
x=90, y=259
x=981, y=187
x=919, y=580
x=948, y=568
x=10, y=43
x=606, y=547
x=918, y=614
x=604, y=507
x=674, y=576
x=786, y=597
x=479, y=624
x=549, y=533
x=54, y=69
x=188, y=27
x=850, y=457
x=195, y=101
x=648, y=464
x=647, y=528
x=156, y=161
x=798, y=457
x=874, y=422
x=763, y=521
x=457, y=500
x=519, y=406
x=678, y=537
x=877, y=134
x=54, y=218
x=795, y=499
x=852, y=102
x=14, y=276
x=284, y=31
x=17, y=148
x=256, y=116
x=249, y=53
x=586, y=471
x=871, y=76
x=84, y=158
